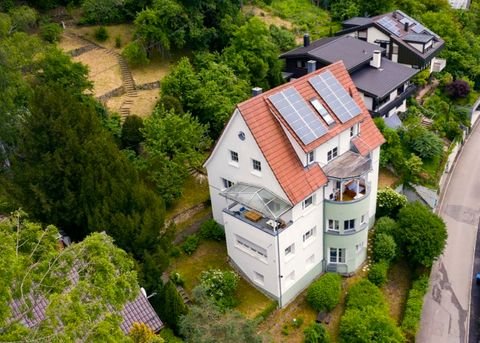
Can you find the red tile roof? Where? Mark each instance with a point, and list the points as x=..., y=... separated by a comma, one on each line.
x=261, y=117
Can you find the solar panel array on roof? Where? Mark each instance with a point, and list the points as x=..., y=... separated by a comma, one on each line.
x=419, y=28
x=390, y=25
x=299, y=116
x=336, y=97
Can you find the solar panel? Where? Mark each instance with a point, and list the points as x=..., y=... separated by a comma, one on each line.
x=418, y=28
x=336, y=97
x=299, y=116
x=322, y=111
x=390, y=25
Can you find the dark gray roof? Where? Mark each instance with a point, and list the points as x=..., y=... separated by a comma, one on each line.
x=380, y=82
x=302, y=50
x=351, y=51
x=418, y=37
x=393, y=121
x=348, y=165
x=357, y=21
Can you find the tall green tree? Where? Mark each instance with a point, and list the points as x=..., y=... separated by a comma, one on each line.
x=173, y=306
x=69, y=172
x=85, y=285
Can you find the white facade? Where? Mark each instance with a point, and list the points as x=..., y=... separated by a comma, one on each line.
x=285, y=261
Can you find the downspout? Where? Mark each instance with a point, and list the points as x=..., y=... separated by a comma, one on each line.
x=323, y=233
x=279, y=273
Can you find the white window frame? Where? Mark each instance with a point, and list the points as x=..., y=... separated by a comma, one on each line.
x=332, y=154
x=311, y=157
x=359, y=247
x=258, y=278
x=308, y=202
x=256, y=165
x=234, y=156
x=338, y=256
x=347, y=224
x=363, y=219
x=226, y=183
x=251, y=248
x=333, y=225
x=290, y=250
x=309, y=234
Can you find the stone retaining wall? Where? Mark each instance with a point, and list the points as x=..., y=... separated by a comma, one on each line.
x=148, y=86
x=114, y=92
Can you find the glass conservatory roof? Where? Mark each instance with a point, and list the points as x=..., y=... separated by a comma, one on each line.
x=257, y=198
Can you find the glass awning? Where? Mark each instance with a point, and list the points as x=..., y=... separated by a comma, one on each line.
x=257, y=198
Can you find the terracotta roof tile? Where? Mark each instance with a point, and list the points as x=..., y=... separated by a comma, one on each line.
x=263, y=121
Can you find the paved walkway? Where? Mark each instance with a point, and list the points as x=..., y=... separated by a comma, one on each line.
x=445, y=317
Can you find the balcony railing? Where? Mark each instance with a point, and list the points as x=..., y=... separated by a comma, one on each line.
x=381, y=112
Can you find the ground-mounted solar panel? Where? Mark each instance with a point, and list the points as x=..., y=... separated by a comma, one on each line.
x=298, y=115
x=389, y=25
x=336, y=97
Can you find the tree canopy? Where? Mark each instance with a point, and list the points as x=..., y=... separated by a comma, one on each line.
x=85, y=284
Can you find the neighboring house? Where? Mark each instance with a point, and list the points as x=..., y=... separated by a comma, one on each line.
x=138, y=310
x=383, y=84
x=293, y=179
x=404, y=39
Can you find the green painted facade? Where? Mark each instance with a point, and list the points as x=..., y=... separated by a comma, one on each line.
x=353, y=241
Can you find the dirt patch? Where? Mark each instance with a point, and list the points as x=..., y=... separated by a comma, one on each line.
x=267, y=17
x=69, y=44
x=103, y=70
x=142, y=105
x=154, y=71
x=387, y=179
x=124, y=31
x=396, y=290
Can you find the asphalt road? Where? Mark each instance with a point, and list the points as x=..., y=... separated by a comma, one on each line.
x=446, y=309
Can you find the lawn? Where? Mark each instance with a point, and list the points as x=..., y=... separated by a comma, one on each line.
x=124, y=31
x=193, y=194
x=158, y=67
x=212, y=254
x=305, y=15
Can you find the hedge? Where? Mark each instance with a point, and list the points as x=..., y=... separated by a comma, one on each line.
x=324, y=294
x=364, y=294
x=413, y=309
x=378, y=273
x=384, y=247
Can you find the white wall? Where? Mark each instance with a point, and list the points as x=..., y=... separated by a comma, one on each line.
x=417, y=46
x=368, y=101
x=341, y=141
x=373, y=179
x=220, y=166
x=375, y=34
x=299, y=262
x=250, y=263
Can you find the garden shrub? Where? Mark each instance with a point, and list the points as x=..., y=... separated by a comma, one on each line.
x=101, y=34
x=413, y=308
x=190, y=244
x=297, y=322
x=365, y=294
x=220, y=286
x=370, y=325
x=427, y=145
x=118, y=42
x=212, y=230
x=316, y=333
x=389, y=202
x=51, y=32
x=378, y=273
x=177, y=279
x=458, y=89
x=384, y=247
x=324, y=293
x=135, y=54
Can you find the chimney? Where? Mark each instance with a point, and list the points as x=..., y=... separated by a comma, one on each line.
x=311, y=66
x=376, y=61
x=405, y=26
x=256, y=91
x=306, y=40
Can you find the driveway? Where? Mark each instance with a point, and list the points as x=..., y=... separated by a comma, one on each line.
x=446, y=309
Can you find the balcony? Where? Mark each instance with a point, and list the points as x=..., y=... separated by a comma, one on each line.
x=438, y=64
x=383, y=111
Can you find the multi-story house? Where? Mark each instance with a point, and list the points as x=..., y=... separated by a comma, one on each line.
x=383, y=84
x=293, y=180
x=404, y=39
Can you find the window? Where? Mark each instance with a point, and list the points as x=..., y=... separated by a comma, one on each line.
x=299, y=64
x=337, y=255
x=311, y=157
x=395, y=49
x=290, y=250
x=352, y=131
x=309, y=234
x=310, y=261
x=332, y=154
x=349, y=224
x=333, y=225
x=307, y=202
x=257, y=165
x=227, y=183
x=363, y=219
x=259, y=278
x=251, y=248
x=234, y=156
x=359, y=247
x=322, y=111
x=290, y=277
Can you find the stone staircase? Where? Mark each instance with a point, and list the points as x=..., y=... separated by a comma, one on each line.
x=183, y=294
x=128, y=82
